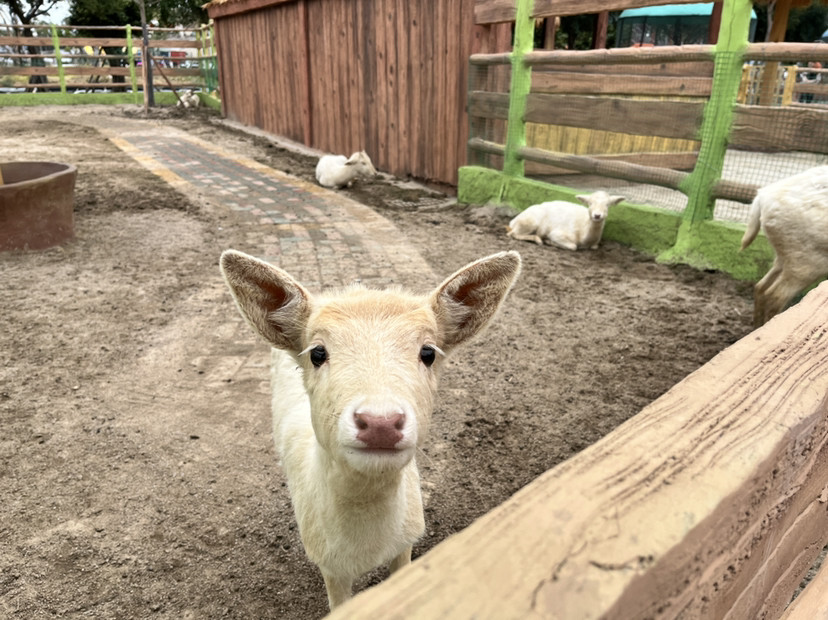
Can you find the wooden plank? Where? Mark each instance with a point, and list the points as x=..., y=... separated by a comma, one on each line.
x=697, y=69
x=392, y=87
x=64, y=42
x=813, y=600
x=73, y=70
x=489, y=105
x=622, y=55
x=697, y=507
x=791, y=52
x=790, y=128
x=667, y=119
x=663, y=177
x=619, y=84
x=495, y=11
x=671, y=161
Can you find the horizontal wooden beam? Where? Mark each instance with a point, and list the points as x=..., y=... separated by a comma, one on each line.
x=788, y=128
x=89, y=70
x=793, y=52
x=673, y=160
x=663, y=177
x=622, y=55
x=558, y=82
x=497, y=11
x=666, y=119
x=694, y=69
x=707, y=504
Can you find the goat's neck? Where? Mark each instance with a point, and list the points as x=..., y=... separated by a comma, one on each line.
x=593, y=233
x=346, y=485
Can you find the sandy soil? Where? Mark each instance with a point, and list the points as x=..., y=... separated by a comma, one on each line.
x=137, y=477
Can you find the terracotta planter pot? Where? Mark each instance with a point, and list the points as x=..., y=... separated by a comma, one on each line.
x=36, y=200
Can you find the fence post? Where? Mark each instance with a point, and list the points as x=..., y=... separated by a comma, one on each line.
x=521, y=82
x=58, y=59
x=715, y=129
x=131, y=56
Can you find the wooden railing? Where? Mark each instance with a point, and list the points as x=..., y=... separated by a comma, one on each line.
x=50, y=57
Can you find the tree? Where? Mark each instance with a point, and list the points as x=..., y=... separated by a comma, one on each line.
x=167, y=13
x=28, y=12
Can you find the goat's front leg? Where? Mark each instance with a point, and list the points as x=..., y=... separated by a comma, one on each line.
x=401, y=560
x=338, y=588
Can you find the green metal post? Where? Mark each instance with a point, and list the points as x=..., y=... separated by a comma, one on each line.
x=58, y=59
x=715, y=129
x=521, y=82
x=132, y=78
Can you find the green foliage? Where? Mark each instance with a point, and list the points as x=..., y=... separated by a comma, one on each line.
x=28, y=12
x=805, y=25
x=105, y=13
x=166, y=13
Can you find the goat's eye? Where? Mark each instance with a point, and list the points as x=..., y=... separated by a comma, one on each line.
x=427, y=355
x=318, y=355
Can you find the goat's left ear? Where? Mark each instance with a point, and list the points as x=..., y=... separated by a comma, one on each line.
x=467, y=300
x=614, y=200
x=354, y=158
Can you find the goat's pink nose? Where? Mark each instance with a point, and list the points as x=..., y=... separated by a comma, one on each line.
x=379, y=432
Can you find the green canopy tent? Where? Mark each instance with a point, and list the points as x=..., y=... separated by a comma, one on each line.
x=670, y=24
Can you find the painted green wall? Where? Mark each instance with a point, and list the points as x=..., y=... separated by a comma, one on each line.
x=34, y=99
x=161, y=98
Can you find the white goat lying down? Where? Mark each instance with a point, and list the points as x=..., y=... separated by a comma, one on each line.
x=339, y=171
x=188, y=99
x=565, y=224
x=354, y=377
x=794, y=215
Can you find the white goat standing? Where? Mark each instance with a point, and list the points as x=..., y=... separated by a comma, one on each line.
x=339, y=171
x=354, y=377
x=565, y=224
x=794, y=215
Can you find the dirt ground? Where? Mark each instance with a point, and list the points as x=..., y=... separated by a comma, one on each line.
x=134, y=484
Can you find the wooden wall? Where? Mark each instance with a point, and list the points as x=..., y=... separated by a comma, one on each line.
x=386, y=76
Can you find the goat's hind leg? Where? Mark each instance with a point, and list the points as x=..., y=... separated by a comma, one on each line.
x=532, y=238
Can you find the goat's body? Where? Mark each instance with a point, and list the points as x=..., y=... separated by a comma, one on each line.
x=349, y=525
x=559, y=223
x=339, y=171
x=564, y=224
x=794, y=215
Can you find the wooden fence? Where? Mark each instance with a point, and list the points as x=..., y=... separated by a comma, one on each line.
x=386, y=76
x=51, y=58
x=710, y=503
x=681, y=74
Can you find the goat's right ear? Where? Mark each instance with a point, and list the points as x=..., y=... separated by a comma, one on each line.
x=275, y=305
x=467, y=300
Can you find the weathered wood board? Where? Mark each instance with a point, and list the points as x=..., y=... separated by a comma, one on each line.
x=708, y=504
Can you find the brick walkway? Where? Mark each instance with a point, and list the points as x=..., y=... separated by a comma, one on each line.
x=321, y=237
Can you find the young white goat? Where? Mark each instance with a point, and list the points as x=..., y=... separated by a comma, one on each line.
x=339, y=171
x=565, y=224
x=794, y=215
x=188, y=99
x=354, y=377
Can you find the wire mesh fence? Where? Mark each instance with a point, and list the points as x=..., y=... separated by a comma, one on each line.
x=589, y=125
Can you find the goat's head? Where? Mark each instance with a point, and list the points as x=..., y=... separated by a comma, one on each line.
x=361, y=163
x=370, y=359
x=598, y=204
